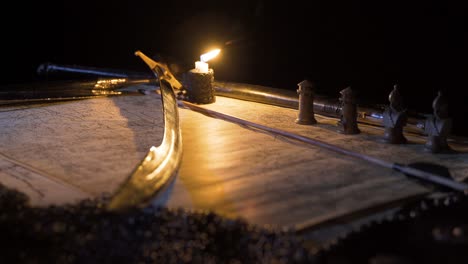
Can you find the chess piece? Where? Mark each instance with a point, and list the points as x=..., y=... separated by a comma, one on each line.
x=348, y=122
x=395, y=118
x=306, y=103
x=438, y=126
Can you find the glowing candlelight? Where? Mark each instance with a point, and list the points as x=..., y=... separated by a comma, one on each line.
x=201, y=65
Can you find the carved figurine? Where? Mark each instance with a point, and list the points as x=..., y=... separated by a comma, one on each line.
x=306, y=103
x=348, y=122
x=438, y=126
x=395, y=118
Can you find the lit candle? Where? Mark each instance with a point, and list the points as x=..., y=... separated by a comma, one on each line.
x=201, y=65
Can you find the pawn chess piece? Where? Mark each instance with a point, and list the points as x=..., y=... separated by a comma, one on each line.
x=438, y=126
x=348, y=122
x=395, y=118
x=306, y=103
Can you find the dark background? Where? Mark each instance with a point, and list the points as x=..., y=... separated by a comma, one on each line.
x=370, y=45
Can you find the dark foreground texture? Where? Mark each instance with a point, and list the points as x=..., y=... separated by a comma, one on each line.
x=428, y=231
x=86, y=233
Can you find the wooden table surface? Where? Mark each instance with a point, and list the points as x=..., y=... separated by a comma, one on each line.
x=64, y=152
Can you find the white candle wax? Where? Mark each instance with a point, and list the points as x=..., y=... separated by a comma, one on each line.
x=201, y=66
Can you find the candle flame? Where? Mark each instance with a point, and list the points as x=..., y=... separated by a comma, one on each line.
x=209, y=55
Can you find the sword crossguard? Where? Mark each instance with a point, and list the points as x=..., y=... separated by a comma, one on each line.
x=161, y=70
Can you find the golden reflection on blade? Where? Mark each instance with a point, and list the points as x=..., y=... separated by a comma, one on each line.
x=165, y=151
x=106, y=86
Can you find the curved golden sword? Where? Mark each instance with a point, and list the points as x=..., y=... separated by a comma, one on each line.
x=159, y=168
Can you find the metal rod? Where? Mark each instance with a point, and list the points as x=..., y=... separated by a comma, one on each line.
x=47, y=68
x=66, y=90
